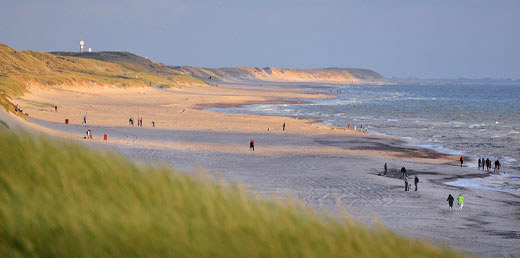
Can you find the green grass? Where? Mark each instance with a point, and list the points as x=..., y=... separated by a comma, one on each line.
x=61, y=199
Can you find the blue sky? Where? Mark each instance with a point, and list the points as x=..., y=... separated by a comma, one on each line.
x=423, y=38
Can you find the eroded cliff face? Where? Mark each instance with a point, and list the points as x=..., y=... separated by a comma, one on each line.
x=334, y=75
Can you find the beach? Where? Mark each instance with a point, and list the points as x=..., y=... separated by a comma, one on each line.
x=327, y=167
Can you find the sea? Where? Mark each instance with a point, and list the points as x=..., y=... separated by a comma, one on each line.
x=470, y=120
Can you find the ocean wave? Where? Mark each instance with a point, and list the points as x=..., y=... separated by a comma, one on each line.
x=434, y=147
x=501, y=183
x=507, y=160
x=476, y=125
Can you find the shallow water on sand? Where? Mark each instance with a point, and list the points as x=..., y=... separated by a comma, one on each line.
x=470, y=120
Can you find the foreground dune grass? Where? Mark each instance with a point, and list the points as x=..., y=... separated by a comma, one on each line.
x=64, y=200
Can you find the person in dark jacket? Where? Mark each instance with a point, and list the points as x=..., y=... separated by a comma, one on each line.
x=386, y=169
x=450, y=201
x=416, y=181
x=403, y=172
x=497, y=166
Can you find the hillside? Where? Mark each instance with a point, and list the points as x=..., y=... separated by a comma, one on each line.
x=332, y=75
x=21, y=68
x=335, y=75
x=127, y=60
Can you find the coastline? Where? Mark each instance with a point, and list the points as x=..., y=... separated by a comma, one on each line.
x=325, y=167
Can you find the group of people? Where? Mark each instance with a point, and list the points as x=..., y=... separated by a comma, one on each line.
x=407, y=185
x=460, y=201
x=486, y=164
x=360, y=128
x=404, y=176
x=139, y=122
x=18, y=109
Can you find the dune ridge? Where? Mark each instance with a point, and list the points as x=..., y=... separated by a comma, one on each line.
x=271, y=74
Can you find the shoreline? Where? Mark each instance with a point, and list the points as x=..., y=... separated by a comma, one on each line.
x=237, y=105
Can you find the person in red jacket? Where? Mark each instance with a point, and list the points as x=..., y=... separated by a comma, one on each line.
x=461, y=161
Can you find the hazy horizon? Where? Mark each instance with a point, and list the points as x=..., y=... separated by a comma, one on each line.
x=402, y=38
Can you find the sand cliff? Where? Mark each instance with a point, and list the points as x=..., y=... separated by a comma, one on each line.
x=331, y=75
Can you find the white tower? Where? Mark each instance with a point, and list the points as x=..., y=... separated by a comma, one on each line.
x=81, y=43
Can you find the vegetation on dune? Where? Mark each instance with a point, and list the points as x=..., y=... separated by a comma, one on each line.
x=19, y=68
x=344, y=75
x=128, y=60
x=63, y=200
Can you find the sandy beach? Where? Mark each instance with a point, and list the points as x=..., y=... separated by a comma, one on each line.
x=326, y=167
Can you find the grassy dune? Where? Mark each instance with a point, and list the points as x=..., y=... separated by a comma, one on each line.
x=337, y=75
x=63, y=200
x=20, y=68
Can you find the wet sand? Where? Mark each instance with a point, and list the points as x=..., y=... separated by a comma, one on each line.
x=326, y=167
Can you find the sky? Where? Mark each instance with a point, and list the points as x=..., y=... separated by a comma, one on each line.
x=402, y=38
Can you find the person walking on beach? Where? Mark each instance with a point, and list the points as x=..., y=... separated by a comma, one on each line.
x=488, y=164
x=252, y=145
x=348, y=125
x=85, y=119
x=153, y=123
x=406, y=183
x=450, y=201
x=386, y=170
x=403, y=172
x=460, y=201
x=283, y=126
x=416, y=181
x=89, y=134
x=55, y=108
x=497, y=166
x=479, y=163
x=461, y=160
